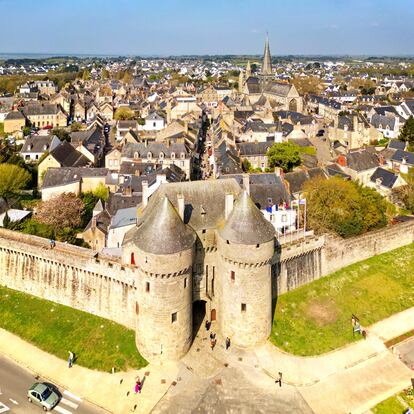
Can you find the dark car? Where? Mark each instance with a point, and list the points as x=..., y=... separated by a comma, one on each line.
x=320, y=133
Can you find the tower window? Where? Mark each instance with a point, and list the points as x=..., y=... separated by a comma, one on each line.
x=232, y=276
x=243, y=307
x=132, y=258
x=147, y=287
x=174, y=317
x=185, y=283
x=257, y=246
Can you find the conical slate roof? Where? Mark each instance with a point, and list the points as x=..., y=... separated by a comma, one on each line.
x=246, y=224
x=267, y=60
x=163, y=231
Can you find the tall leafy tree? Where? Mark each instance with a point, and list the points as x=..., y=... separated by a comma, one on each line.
x=285, y=155
x=407, y=131
x=13, y=179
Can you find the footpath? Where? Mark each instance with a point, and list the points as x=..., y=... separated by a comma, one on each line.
x=352, y=379
x=113, y=392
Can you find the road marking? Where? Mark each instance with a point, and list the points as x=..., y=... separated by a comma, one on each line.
x=3, y=408
x=14, y=401
x=73, y=396
x=69, y=403
x=62, y=410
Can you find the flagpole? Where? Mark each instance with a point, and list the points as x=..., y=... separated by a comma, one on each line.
x=304, y=221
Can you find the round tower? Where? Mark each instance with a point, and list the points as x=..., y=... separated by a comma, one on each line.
x=246, y=247
x=161, y=248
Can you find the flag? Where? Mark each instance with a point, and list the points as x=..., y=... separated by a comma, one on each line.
x=302, y=201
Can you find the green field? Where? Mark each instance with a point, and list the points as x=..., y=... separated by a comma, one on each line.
x=97, y=343
x=396, y=404
x=316, y=318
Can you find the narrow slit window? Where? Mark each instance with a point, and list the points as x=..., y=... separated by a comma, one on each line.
x=174, y=317
x=243, y=307
x=232, y=276
x=147, y=287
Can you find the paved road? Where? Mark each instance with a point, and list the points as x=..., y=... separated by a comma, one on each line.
x=14, y=383
x=406, y=350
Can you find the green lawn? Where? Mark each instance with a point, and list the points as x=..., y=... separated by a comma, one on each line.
x=389, y=406
x=316, y=318
x=98, y=343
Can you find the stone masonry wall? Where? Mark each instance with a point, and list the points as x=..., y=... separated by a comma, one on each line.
x=338, y=253
x=68, y=275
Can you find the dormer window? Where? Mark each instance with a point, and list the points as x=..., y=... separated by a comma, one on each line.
x=149, y=155
x=173, y=155
x=136, y=155
x=161, y=155
x=182, y=155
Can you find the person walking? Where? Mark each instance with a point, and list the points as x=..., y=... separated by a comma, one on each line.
x=227, y=343
x=280, y=379
x=70, y=360
x=138, y=386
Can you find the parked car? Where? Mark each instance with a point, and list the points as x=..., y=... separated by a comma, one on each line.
x=43, y=395
x=320, y=133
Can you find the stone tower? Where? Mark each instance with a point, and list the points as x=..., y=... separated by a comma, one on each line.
x=245, y=247
x=241, y=81
x=267, y=60
x=162, y=249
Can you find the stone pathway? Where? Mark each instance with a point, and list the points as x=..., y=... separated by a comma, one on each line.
x=351, y=379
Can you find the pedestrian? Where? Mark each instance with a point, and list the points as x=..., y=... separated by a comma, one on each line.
x=280, y=379
x=138, y=386
x=211, y=335
x=207, y=325
x=70, y=360
x=227, y=343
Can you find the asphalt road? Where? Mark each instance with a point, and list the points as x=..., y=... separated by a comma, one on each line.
x=406, y=351
x=14, y=383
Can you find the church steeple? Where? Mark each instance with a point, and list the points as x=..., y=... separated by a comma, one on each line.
x=248, y=70
x=267, y=59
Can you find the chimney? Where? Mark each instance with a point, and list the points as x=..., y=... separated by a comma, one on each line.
x=229, y=200
x=93, y=224
x=181, y=205
x=246, y=183
x=145, y=193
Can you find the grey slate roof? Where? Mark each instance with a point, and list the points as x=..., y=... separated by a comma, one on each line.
x=400, y=156
x=14, y=115
x=278, y=88
x=387, y=178
x=67, y=156
x=66, y=175
x=37, y=144
x=362, y=160
x=155, y=148
x=162, y=231
x=251, y=149
x=397, y=144
x=42, y=109
x=246, y=223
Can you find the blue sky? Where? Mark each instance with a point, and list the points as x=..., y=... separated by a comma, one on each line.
x=207, y=26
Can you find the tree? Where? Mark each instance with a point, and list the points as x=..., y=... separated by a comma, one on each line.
x=105, y=74
x=26, y=131
x=6, y=221
x=86, y=75
x=343, y=207
x=407, y=131
x=308, y=84
x=13, y=179
x=76, y=126
x=124, y=113
x=61, y=133
x=247, y=165
x=101, y=192
x=285, y=155
x=127, y=78
x=60, y=212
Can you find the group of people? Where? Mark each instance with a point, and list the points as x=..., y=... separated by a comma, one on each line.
x=213, y=340
x=138, y=386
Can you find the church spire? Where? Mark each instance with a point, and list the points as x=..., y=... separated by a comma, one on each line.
x=248, y=70
x=267, y=59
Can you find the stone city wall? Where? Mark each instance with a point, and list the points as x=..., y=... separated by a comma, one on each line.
x=68, y=275
x=339, y=253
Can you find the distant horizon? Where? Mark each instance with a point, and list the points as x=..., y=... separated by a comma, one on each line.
x=40, y=55
x=189, y=28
